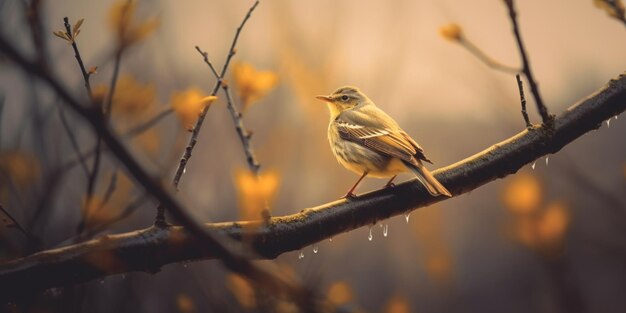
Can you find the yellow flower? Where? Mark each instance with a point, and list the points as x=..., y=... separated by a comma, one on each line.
x=128, y=29
x=522, y=194
x=255, y=193
x=451, y=32
x=188, y=104
x=252, y=84
x=132, y=98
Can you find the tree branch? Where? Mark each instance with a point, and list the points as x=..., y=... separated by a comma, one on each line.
x=534, y=88
x=149, y=249
x=522, y=99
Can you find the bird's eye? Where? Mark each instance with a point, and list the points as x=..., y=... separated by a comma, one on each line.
x=345, y=98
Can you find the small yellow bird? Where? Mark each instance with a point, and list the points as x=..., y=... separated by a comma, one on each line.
x=367, y=141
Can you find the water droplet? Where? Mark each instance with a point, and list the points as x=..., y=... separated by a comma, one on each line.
x=301, y=255
x=533, y=166
x=370, y=236
x=381, y=225
x=547, y=160
x=616, y=117
x=330, y=239
x=184, y=170
x=406, y=217
x=385, y=230
x=608, y=123
x=315, y=249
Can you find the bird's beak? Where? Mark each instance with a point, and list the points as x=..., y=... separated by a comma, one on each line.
x=324, y=98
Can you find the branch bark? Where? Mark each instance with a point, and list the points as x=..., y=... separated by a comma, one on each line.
x=149, y=249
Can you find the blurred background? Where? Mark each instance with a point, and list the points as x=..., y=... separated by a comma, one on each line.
x=549, y=239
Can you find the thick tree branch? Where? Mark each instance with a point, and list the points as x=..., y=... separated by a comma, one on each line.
x=149, y=249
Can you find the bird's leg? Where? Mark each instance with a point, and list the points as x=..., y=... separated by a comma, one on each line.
x=390, y=182
x=350, y=193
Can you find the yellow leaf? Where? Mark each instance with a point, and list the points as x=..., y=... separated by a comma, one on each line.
x=128, y=29
x=522, y=194
x=61, y=34
x=188, y=104
x=149, y=141
x=132, y=98
x=397, y=304
x=185, y=304
x=339, y=293
x=78, y=24
x=252, y=84
x=452, y=32
x=255, y=193
x=20, y=167
x=242, y=290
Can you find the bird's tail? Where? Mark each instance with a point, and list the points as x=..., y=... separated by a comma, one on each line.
x=434, y=187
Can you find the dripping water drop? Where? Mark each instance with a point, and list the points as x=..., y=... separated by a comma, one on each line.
x=547, y=160
x=616, y=117
x=315, y=249
x=406, y=217
x=608, y=123
x=385, y=230
x=370, y=236
x=330, y=239
x=301, y=255
x=533, y=166
x=184, y=170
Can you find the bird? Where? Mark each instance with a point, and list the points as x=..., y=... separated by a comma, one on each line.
x=367, y=141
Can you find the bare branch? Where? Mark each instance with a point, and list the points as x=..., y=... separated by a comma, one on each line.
x=520, y=86
x=160, y=217
x=232, y=256
x=149, y=249
x=473, y=49
x=149, y=124
x=244, y=134
x=534, y=88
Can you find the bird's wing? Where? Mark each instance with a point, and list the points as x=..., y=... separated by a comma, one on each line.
x=419, y=151
x=375, y=134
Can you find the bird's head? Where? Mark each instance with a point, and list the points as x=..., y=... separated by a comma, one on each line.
x=344, y=98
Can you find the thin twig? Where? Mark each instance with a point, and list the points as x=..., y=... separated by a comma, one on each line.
x=1, y=111
x=522, y=98
x=17, y=225
x=128, y=210
x=244, y=134
x=91, y=185
x=86, y=75
x=147, y=125
x=160, y=218
x=482, y=56
x=534, y=88
x=73, y=142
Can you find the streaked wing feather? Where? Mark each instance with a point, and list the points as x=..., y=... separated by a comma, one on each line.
x=380, y=140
